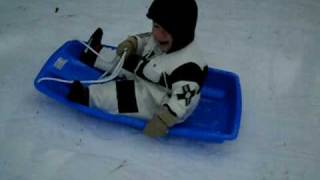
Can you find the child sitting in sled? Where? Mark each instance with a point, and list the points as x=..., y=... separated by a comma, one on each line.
x=162, y=74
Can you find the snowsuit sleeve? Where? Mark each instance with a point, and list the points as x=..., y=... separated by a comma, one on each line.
x=185, y=83
x=142, y=40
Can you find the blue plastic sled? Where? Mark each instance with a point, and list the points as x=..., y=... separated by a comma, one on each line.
x=216, y=119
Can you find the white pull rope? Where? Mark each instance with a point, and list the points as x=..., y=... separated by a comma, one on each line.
x=102, y=78
x=91, y=49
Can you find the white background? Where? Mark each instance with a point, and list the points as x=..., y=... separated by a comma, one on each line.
x=273, y=45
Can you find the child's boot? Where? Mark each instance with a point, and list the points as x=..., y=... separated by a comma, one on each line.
x=87, y=56
x=79, y=94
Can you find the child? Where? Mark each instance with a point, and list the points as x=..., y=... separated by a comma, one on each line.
x=163, y=72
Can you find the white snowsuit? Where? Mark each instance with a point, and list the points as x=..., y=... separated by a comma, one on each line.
x=157, y=79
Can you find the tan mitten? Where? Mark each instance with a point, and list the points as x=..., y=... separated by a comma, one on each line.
x=130, y=44
x=159, y=124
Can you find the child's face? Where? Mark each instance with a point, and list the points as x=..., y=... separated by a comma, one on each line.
x=163, y=38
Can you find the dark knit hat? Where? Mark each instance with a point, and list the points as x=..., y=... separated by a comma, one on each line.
x=178, y=17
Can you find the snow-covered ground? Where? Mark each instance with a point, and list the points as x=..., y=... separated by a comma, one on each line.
x=274, y=46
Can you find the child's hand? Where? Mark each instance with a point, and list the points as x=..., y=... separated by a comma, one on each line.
x=159, y=124
x=129, y=44
x=155, y=128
